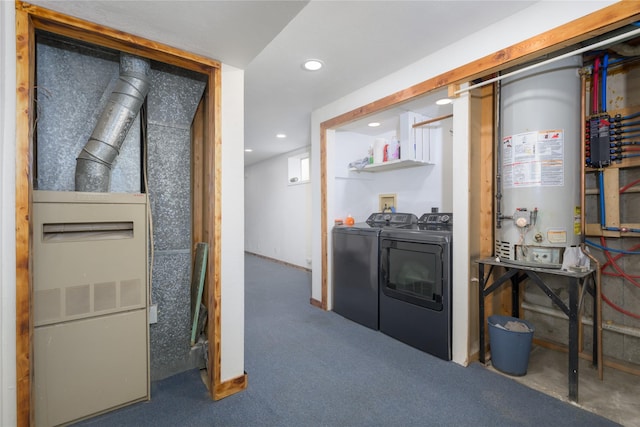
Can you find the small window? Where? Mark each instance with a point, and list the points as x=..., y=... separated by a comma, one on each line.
x=299, y=168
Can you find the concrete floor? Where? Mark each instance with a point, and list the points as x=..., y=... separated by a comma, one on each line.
x=615, y=397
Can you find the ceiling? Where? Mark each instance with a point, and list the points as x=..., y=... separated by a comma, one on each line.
x=359, y=42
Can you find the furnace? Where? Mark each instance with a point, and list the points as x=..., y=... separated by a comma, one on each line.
x=90, y=303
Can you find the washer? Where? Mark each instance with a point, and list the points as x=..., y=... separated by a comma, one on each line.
x=355, y=266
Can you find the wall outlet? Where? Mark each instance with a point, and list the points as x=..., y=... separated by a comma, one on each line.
x=153, y=314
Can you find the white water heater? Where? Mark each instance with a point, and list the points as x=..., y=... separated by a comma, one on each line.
x=539, y=165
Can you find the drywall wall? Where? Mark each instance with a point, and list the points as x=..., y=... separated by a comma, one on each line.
x=418, y=189
x=232, y=265
x=277, y=213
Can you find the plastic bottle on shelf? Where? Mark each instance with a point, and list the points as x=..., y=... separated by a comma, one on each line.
x=378, y=148
x=370, y=154
x=393, y=149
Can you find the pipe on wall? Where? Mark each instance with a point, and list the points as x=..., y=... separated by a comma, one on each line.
x=93, y=165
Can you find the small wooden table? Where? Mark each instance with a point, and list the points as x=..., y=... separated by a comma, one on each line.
x=516, y=273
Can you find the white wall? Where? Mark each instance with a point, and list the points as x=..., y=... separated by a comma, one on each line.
x=7, y=215
x=277, y=213
x=232, y=263
x=546, y=16
x=418, y=189
x=232, y=269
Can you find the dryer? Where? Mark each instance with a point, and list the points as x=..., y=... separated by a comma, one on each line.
x=415, y=284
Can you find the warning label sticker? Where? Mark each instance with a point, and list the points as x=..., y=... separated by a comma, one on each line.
x=533, y=159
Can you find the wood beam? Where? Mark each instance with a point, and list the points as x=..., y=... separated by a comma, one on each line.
x=78, y=29
x=24, y=141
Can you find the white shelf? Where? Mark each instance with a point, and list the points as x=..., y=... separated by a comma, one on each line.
x=391, y=164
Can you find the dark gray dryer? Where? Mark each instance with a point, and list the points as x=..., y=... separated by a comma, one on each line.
x=355, y=266
x=415, y=284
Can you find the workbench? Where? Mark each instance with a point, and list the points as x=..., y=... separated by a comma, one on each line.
x=578, y=282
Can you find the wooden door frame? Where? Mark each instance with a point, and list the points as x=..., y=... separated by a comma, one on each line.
x=207, y=224
x=589, y=26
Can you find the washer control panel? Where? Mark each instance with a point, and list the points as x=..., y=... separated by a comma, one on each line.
x=391, y=219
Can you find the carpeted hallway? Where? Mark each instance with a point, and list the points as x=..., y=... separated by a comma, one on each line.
x=308, y=367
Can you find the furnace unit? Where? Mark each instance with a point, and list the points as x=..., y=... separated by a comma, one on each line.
x=90, y=303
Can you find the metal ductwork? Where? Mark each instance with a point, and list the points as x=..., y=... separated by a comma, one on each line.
x=93, y=165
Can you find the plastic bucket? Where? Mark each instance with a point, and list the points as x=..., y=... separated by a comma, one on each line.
x=509, y=349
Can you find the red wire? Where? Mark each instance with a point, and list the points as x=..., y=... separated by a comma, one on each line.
x=628, y=186
x=616, y=266
x=614, y=259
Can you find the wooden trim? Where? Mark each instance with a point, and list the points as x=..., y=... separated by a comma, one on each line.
x=197, y=174
x=230, y=387
x=57, y=23
x=198, y=196
x=213, y=182
x=314, y=302
x=206, y=177
x=24, y=141
x=324, y=303
x=487, y=170
x=607, y=19
x=612, y=197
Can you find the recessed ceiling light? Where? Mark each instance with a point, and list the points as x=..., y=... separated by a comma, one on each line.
x=281, y=135
x=248, y=150
x=444, y=101
x=374, y=124
x=312, y=64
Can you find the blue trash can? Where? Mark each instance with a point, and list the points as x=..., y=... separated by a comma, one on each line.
x=510, y=348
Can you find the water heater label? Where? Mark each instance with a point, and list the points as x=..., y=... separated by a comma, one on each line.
x=533, y=159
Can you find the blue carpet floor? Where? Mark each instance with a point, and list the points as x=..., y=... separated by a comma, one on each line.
x=308, y=367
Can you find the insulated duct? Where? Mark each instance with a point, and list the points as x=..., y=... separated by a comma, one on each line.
x=93, y=165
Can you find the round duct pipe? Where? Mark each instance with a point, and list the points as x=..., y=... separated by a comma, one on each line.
x=93, y=165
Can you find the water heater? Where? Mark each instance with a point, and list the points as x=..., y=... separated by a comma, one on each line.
x=539, y=165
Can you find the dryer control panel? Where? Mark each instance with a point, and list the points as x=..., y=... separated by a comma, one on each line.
x=436, y=221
